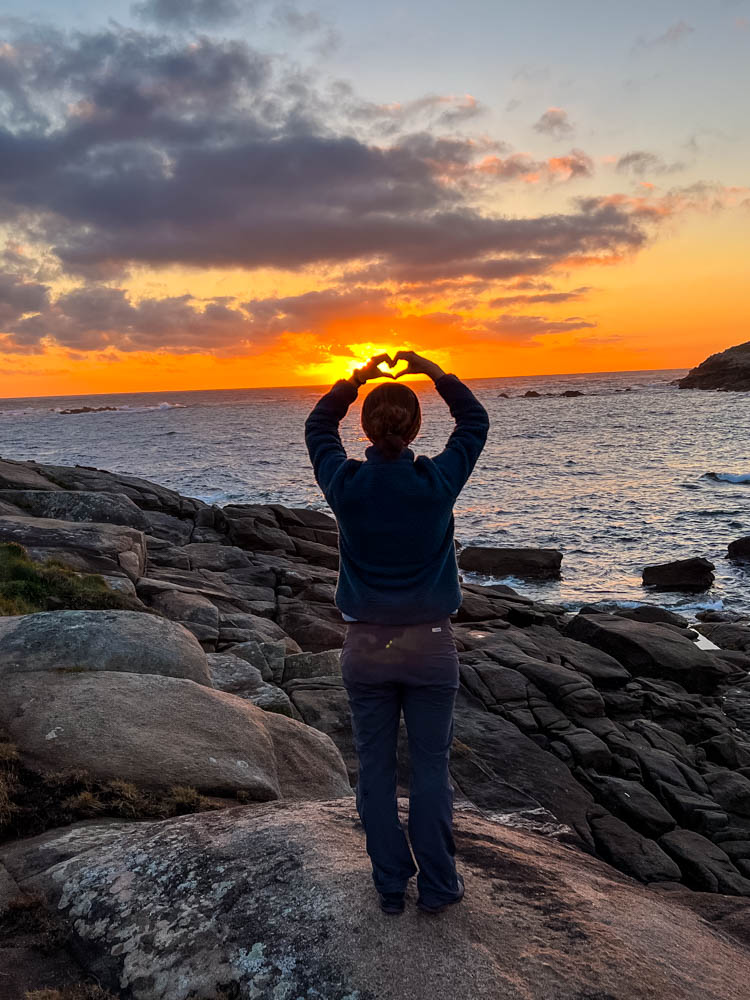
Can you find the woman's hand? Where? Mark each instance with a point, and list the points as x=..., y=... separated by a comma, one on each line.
x=370, y=370
x=417, y=365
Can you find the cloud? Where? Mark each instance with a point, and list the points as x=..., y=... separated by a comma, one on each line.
x=673, y=34
x=653, y=206
x=547, y=297
x=19, y=297
x=641, y=162
x=95, y=317
x=430, y=111
x=521, y=166
x=183, y=13
x=554, y=122
x=208, y=154
x=125, y=148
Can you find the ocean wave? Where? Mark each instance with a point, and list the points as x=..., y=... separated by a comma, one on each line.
x=728, y=477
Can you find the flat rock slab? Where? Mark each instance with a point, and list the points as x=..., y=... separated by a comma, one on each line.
x=109, y=549
x=78, y=505
x=527, y=563
x=122, y=641
x=651, y=650
x=278, y=902
x=163, y=731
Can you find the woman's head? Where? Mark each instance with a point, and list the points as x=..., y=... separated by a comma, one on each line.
x=391, y=417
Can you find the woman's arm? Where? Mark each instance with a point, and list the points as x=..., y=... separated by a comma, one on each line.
x=464, y=446
x=322, y=426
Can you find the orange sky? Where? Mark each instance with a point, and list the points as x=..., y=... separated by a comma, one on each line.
x=227, y=205
x=668, y=306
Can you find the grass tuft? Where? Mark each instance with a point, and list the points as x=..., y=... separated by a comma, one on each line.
x=27, y=586
x=81, y=991
x=32, y=802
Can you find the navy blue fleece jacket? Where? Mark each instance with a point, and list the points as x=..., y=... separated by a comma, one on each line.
x=397, y=560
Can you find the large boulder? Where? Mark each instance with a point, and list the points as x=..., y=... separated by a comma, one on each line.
x=689, y=575
x=627, y=850
x=510, y=758
x=161, y=731
x=70, y=505
x=125, y=641
x=704, y=865
x=145, y=494
x=107, y=549
x=727, y=635
x=739, y=549
x=277, y=901
x=526, y=563
x=83, y=641
x=239, y=677
x=23, y=476
x=651, y=650
x=728, y=370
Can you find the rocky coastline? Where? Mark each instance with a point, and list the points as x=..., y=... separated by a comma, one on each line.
x=728, y=371
x=159, y=656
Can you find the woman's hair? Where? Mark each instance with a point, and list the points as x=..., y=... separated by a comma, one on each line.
x=391, y=417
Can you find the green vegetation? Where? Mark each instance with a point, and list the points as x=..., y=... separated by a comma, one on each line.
x=27, y=586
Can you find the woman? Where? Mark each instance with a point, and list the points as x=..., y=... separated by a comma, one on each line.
x=397, y=585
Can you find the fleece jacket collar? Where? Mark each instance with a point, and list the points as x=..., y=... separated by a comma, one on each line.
x=374, y=454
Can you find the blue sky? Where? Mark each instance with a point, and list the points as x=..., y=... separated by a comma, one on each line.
x=631, y=74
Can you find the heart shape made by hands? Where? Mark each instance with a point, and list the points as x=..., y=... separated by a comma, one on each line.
x=391, y=364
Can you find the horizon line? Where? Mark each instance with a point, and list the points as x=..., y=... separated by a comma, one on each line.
x=318, y=385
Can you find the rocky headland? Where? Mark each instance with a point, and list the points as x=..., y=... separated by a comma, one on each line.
x=160, y=656
x=729, y=370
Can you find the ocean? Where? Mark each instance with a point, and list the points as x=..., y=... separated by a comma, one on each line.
x=633, y=472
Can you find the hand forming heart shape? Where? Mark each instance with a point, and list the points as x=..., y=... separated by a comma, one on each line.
x=415, y=365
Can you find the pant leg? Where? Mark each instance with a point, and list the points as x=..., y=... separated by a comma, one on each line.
x=376, y=712
x=428, y=711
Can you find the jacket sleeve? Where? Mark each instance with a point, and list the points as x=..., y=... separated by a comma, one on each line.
x=322, y=432
x=465, y=444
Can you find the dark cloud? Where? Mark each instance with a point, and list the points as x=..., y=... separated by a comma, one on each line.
x=121, y=148
x=99, y=316
x=189, y=12
x=18, y=297
x=641, y=162
x=554, y=122
x=547, y=297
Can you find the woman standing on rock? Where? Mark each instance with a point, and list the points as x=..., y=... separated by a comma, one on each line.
x=398, y=584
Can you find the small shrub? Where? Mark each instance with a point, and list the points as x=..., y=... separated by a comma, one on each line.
x=32, y=802
x=27, y=586
x=85, y=805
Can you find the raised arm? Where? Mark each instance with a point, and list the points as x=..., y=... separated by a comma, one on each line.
x=465, y=444
x=322, y=437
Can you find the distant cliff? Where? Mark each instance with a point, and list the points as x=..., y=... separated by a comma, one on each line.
x=729, y=370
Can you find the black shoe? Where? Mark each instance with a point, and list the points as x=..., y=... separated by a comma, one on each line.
x=443, y=906
x=392, y=902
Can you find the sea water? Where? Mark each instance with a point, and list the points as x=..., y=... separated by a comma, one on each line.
x=635, y=471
